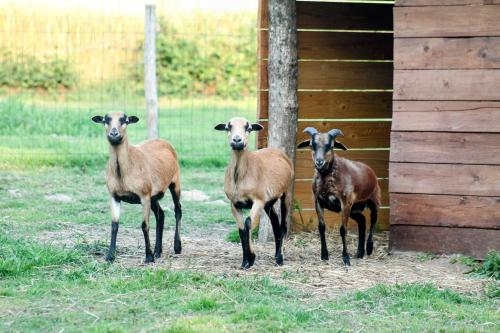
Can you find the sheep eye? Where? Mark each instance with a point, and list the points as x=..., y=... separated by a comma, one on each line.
x=107, y=120
x=247, y=127
x=123, y=120
x=229, y=126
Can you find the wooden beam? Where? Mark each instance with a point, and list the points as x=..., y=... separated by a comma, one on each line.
x=474, y=84
x=363, y=134
x=378, y=160
x=323, y=45
x=453, y=179
x=307, y=220
x=444, y=240
x=449, y=116
x=447, y=21
x=337, y=105
x=303, y=193
x=339, y=75
x=339, y=16
x=445, y=210
x=447, y=53
x=436, y=147
x=445, y=2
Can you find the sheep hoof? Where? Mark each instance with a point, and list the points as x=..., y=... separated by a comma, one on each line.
x=177, y=248
x=324, y=256
x=149, y=259
x=251, y=259
x=110, y=258
x=346, y=260
x=360, y=254
x=369, y=248
x=157, y=253
x=279, y=260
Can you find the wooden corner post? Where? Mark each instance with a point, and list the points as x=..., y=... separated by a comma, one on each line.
x=150, y=89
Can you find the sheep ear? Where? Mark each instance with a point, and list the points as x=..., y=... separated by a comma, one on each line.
x=311, y=131
x=98, y=119
x=304, y=144
x=339, y=145
x=132, y=120
x=257, y=127
x=221, y=127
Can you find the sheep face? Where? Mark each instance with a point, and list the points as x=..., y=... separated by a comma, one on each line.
x=115, y=124
x=322, y=145
x=238, y=130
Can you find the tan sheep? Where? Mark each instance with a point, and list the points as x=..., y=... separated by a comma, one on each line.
x=256, y=180
x=140, y=174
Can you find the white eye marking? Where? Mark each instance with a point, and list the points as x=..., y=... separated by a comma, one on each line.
x=106, y=125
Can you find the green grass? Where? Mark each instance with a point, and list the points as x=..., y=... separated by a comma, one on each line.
x=41, y=131
x=47, y=149
x=26, y=201
x=68, y=289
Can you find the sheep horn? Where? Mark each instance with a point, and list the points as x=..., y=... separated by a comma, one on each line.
x=335, y=132
x=311, y=131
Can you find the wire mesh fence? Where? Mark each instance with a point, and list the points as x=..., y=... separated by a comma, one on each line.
x=60, y=65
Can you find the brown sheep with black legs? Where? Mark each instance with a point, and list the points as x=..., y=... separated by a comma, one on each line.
x=140, y=174
x=256, y=180
x=342, y=186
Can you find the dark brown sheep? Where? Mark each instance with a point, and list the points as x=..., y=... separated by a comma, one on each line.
x=342, y=186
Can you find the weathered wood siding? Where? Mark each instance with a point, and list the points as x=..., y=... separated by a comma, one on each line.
x=345, y=81
x=444, y=177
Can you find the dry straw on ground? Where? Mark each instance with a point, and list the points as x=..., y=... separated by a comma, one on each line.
x=206, y=251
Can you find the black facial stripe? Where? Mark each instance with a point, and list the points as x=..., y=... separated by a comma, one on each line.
x=313, y=144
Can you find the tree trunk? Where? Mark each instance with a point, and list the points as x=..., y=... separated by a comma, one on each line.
x=282, y=75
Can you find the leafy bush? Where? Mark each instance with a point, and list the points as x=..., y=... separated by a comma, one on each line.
x=199, y=64
x=29, y=72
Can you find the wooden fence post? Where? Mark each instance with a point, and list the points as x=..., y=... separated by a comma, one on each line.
x=150, y=89
x=282, y=76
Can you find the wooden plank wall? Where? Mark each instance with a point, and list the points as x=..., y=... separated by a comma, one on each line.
x=345, y=81
x=445, y=142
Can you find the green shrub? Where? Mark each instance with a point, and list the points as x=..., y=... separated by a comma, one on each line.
x=197, y=64
x=29, y=72
x=490, y=266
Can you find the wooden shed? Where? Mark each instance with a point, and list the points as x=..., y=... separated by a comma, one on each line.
x=415, y=86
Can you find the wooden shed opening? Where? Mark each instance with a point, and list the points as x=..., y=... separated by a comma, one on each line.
x=345, y=78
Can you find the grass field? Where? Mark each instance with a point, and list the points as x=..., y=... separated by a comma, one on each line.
x=42, y=131
x=54, y=230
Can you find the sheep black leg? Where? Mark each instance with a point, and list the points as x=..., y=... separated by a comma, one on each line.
x=269, y=209
x=112, y=246
x=147, y=243
x=321, y=229
x=178, y=216
x=360, y=219
x=373, y=222
x=345, y=255
x=243, y=239
x=284, y=213
x=248, y=256
x=160, y=222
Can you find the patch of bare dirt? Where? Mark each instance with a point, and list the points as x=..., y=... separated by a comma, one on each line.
x=206, y=251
